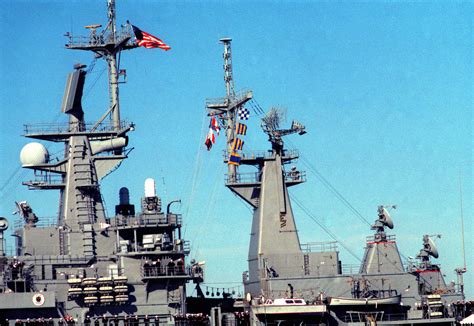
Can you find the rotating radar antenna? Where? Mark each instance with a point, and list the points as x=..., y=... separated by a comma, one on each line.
x=271, y=126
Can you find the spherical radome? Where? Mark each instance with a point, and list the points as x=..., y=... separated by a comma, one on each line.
x=34, y=154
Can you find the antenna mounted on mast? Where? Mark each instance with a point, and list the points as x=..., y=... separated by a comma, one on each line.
x=271, y=126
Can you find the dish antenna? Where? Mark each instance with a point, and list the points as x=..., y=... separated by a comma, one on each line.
x=430, y=246
x=384, y=217
x=3, y=227
x=3, y=224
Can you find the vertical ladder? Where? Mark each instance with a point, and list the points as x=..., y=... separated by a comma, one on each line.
x=306, y=264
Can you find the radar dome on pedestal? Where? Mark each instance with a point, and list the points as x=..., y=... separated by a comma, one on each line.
x=34, y=154
x=150, y=190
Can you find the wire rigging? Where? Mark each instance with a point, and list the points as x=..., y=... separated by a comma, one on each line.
x=331, y=188
x=323, y=227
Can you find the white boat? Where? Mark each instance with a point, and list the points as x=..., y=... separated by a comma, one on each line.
x=287, y=307
x=343, y=301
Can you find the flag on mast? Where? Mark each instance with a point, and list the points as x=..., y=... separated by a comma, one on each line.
x=243, y=113
x=214, y=125
x=241, y=129
x=238, y=144
x=234, y=159
x=210, y=139
x=149, y=41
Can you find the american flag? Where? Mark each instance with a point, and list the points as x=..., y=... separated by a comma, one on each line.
x=149, y=41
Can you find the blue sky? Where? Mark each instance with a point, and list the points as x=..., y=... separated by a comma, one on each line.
x=384, y=88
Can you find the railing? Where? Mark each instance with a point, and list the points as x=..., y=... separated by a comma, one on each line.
x=147, y=220
x=295, y=176
x=53, y=128
x=372, y=238
x=166, y=271
x=183, y=247
x=256, y=177
x=350, y=269
x=251, y=177
x=319, y=246
x=360, y=316
x=261, y=154
x=99, y=39
x=45, y=179
x=42, y=222
x=241, y=94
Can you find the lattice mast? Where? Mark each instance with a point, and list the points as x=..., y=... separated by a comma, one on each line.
x=225, y=109
x=230, y=93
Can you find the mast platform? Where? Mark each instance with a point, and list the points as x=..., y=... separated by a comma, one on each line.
x=61, y=131
x=224, y=104
x=98, y=42
x=255, y=178
x=258, y=157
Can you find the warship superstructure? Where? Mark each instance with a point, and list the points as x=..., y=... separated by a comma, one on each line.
x=86, y=267
x=294, y=282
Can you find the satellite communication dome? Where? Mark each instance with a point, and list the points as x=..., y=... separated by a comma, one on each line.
x=34, y=154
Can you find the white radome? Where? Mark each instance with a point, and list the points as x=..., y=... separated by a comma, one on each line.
x=34, y=154
x=150, y=189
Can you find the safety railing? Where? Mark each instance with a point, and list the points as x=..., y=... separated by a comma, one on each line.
x=42, y=222
x=224, y=101
x=65, y=127
x=99, y=39
x=156, y=271
x=147, y=220
x=319, y=246
x=262, y=154
x=373, y=238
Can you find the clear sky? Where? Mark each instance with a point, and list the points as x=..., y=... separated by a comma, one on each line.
x=384, y=89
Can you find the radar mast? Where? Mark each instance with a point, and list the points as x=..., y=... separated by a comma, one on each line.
x=107, y=44
x=225, y=109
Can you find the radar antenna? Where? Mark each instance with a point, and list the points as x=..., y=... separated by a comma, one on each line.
x=384, y=220
x=429, y=249
x=271, y=126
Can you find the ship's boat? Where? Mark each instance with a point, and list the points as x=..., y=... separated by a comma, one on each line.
x=342, y=301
